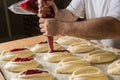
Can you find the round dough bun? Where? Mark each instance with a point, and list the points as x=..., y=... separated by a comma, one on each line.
x=67, y=40
x=80, y=47
x=114, y=68
x=7, y=56
x=44, y=47
x=56, y=56
x=38, y=76
x=17, y=66
x=100, y=56
x=70, y=64
x=88, y=73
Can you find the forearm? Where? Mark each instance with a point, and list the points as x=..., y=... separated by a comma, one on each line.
x=65, y=15
x=99, y=28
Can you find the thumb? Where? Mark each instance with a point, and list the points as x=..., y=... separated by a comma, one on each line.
x=51, y=3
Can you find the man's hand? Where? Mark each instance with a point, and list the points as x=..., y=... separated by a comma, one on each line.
x=49, y=27
x=44, y=8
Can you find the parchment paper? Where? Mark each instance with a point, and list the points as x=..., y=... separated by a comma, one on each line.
x=51, y=68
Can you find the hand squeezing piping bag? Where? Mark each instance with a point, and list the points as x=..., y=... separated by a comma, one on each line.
x=50, y=38
x=32, y=5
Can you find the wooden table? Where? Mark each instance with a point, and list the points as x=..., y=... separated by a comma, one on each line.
x=20, y=43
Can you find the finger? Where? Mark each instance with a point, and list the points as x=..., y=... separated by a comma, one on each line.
x=41, y=2
x=40, y=5
x=45, y=34
x=41, y=20
x=44, y=9
x=41, y=15
x=42, y=30
x=41, y=26
x=45, y=4
x=44, y=12
x=49, y=3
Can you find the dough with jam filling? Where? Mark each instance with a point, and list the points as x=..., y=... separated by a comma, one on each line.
x=7, y=56
x=35, y=74
x=56, y=56
x=44, y=47
x=19, y=66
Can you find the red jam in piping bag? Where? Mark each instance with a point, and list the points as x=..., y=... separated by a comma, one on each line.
x=29, y=5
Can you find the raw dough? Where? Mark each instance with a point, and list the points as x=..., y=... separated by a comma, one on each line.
x=70, y=64
x=100, y=56
x=67, y=40
x=21, y=66
x=114, y=68
x=80, y=47
x=88, y=73
x=44, y=47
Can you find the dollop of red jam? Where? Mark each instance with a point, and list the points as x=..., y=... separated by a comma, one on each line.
x=42, y=42
x=22, y=59
x=29, y=72
x=18, y=49
x=93, y=43
x=59, y=51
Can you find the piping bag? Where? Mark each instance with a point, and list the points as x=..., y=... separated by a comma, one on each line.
x=50, y=38
x=32, y=5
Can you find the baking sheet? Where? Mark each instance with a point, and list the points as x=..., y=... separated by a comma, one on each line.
x=51, y=68
x=1, y=75
x=46, y=65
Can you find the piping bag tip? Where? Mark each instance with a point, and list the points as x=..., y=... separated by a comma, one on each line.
x=51, y=43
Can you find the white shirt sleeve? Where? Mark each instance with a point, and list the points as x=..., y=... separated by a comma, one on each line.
x=77, y=7
x=114, y=10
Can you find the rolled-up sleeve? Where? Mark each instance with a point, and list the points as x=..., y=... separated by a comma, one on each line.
x=114, y=10
x=77, y=7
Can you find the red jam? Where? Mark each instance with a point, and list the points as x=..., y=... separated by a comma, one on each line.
x=18, y=49
x=59, y=51
x=42, y=42
x=30, y=5
x=51, y=43
x=93, y=43
x=22, y=59
x=23, y=5
x=28, y=72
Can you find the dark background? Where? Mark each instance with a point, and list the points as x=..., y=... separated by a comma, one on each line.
x=14, y=26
